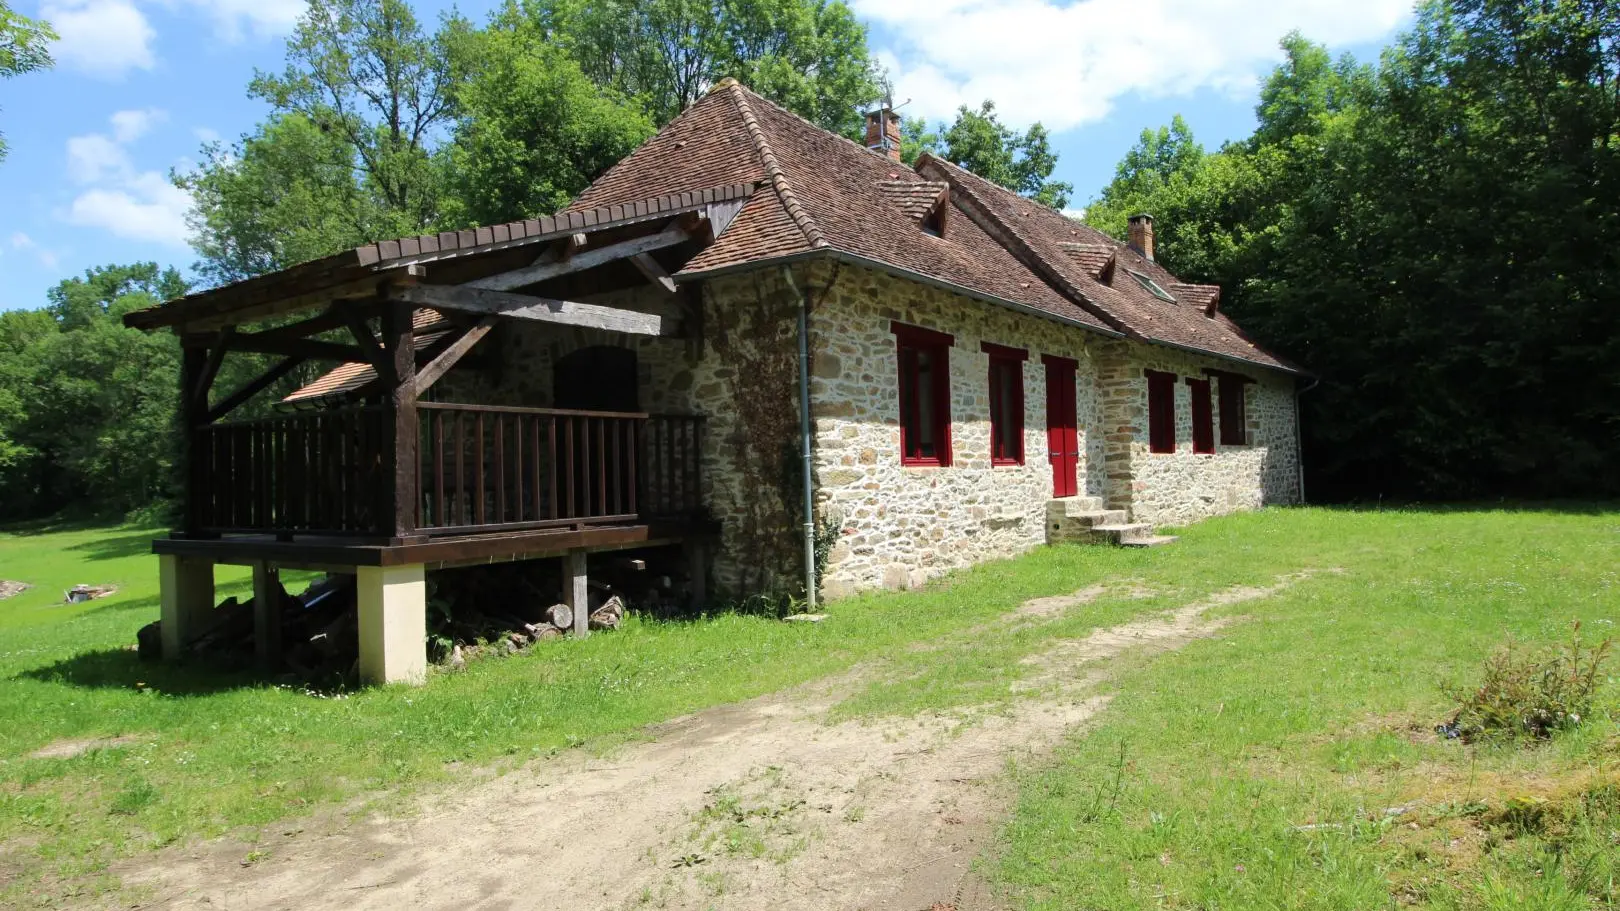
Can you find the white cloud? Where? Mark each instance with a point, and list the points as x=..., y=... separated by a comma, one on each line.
x=24, y=244
x=1066, y=65
x=105, y=38
x=206, y=134
x=234, y=19
x=129, y=126
x=96, y=157
x=139, y=205
x=149, y=208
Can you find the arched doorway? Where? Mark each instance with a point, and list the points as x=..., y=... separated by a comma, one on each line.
x=597, y=378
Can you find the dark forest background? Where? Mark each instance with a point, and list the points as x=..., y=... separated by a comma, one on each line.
x=1434, y=234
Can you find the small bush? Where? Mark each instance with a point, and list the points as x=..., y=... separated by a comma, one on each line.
x=1530, y=693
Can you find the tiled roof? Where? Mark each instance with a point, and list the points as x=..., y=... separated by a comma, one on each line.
x=429, y=327
x=1048, y=240
x=818, y=191
x=1094, y=258
x=915, y=198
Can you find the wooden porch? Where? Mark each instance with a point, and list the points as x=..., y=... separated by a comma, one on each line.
x=386, y=480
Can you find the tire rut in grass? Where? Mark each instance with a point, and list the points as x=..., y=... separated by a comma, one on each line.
x=757, y=804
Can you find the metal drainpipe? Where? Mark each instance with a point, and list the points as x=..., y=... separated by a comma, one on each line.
x=804, y=436
x=1299, y=435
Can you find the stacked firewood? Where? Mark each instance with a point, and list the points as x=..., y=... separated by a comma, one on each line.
x=319, y=631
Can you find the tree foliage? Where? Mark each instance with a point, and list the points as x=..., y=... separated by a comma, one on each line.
x=348, y=153
x=533, y=130
x=86, y=406
x=1436, y=236
x=379, y=129
x=809, y=56
x=979, y=142
x=24, y=48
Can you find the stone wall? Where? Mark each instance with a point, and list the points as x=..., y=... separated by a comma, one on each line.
x=1184, y=486
x=741, y=376
x=897, y=525
x=902, y=525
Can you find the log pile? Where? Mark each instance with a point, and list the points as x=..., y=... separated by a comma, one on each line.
x=319, y=632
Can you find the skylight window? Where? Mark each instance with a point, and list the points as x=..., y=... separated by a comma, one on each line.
x=1151, y=286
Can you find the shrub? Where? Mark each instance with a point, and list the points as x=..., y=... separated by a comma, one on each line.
x=1530, y=693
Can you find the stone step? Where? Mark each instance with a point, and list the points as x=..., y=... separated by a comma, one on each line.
x=1123, y=533
x=1100, y=517
x=1149, y=541
x=1072, y=506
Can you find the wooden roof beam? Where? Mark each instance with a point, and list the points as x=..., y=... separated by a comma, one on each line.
x=582, y=260
x=540, y=309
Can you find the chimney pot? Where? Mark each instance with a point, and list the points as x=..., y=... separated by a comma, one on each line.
x=1141, y=236
x=883, y=133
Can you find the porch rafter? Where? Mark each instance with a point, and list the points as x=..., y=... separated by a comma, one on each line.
x=678, y=233
x=539, y=309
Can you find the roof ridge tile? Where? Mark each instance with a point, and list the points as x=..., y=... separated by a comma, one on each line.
x=1048, y=270
x=773, y=168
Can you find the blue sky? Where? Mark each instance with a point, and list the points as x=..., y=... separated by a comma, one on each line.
x=141, y=84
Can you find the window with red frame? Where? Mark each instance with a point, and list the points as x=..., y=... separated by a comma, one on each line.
x=1234, y=423
x=923, y=356
x=1006, y=403
x=1161, y=411
x=1203, y=416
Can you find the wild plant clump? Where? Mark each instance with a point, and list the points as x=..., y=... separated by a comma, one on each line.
x=1532, y=693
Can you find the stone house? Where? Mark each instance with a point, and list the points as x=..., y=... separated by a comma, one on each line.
x=751, y=338
x=979, y=363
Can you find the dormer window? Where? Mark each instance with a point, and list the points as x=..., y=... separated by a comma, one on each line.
x=1151, y=286
x=933, y=223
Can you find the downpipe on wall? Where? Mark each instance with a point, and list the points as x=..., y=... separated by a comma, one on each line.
x=1299, y=434
x=804, y=437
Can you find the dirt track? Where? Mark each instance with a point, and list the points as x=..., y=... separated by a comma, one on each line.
x=753, y=805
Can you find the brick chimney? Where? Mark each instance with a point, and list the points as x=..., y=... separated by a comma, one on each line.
x=880, y=140
x=1141, y=237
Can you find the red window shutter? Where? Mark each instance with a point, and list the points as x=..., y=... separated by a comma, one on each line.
x=1203, y=416
x=922, y=357
x=1234, y=423
x=1006, y=381
x=1161, y=411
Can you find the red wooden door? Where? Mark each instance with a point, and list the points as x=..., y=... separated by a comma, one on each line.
x=1062, y=433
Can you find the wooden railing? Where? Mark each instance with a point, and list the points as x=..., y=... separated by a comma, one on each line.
x=480, y=468
x=316, y=472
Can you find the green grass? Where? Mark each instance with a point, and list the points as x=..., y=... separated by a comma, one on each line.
x=1186, y=795
x=1254, y=771
x=215, y=752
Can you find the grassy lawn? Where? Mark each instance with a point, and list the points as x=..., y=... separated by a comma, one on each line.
x=1315, y=712
x=1257, y=770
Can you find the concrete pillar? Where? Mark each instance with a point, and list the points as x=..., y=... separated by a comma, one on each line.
x=267, y=616
x=393, y=623
x=576, y=591
x=186, y=597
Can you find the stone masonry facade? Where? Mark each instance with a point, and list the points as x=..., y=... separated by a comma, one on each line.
x=898, y=526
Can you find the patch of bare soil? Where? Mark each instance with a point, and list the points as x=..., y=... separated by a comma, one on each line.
x=9, y=588
x=754, y=805
x=67, y=749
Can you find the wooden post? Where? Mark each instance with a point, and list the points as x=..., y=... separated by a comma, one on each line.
x=577, y=592
x=267, y=616
x=397, y=490
x=193, y=416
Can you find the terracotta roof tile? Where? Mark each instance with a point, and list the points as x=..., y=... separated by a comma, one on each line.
x=429, y=327
x=916, y=198
x=1051, y=238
